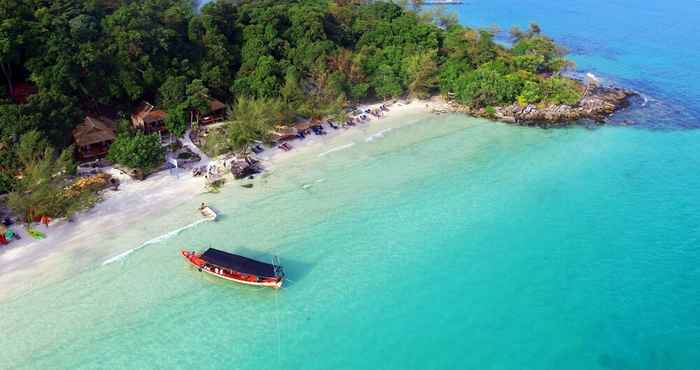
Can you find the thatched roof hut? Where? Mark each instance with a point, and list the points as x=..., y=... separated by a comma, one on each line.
x=94, y=130
x=148, y=119
x=281, y=133
x=216, y=106
x=216, y=112
x=93, y=137
x=301, y=126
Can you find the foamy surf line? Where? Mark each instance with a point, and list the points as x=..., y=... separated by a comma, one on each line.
x=155, y=240
x=337, y=149
x=378, y=135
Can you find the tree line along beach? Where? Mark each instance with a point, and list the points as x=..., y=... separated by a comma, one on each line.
x=95, y=93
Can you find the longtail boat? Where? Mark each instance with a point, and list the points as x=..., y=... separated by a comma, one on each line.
x=236, y=268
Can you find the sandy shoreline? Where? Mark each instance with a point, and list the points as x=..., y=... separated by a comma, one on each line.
x=22, y=262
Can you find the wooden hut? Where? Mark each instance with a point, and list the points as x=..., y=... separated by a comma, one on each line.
x=282, y=133
x=149, y=119
x=93, y=137
x=215, y=113
x=305, y=126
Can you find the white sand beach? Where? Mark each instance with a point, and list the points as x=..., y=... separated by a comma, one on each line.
x=27, y=262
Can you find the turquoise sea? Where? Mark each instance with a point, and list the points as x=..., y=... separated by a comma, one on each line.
x=437, y=242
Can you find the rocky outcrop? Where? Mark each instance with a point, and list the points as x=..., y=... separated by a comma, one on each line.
x=245, y=167
x=596, y=106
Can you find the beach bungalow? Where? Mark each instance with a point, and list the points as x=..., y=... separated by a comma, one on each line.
x=215, y=113
x=303, y=126
x=308, y=125
x=149, y=119
x=93, y=137
x=282, y=133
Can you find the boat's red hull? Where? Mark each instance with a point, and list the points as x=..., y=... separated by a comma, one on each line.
x=201, y=265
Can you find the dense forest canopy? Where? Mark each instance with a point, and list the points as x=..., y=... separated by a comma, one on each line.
x=310, y=58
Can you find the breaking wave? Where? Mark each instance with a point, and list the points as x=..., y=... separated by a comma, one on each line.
x=377, y=135
x=337, y=149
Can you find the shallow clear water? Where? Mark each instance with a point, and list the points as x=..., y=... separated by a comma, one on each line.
x=448, y=242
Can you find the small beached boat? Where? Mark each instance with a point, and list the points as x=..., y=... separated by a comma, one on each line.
x=36, y=234
x=236, y=268
x=208, y=213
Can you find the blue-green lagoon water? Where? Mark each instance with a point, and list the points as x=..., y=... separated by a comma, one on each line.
x=448, y=242
x=445, y=242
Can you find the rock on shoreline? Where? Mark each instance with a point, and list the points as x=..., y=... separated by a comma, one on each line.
x=597, y=105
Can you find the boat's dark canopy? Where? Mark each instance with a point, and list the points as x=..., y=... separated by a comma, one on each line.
x=238, y=263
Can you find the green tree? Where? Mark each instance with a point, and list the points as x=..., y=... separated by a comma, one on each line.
x=560, y=90
x=262, y=82
x=540, y=50
x=450, y=73
x=7, y=182
x=148, y=42
x=31, y=148
x=252, y=119
x=138, y=151
x=182, y=101
x=14, y=35
x=197, y=96
x=214, y=33
x=53, y=114
x=178, y=119
x=422, y=72
x=292, y=93
x=42, y=189
x=67, y=54
x=386, y=83
x=488, y=86
x=531, y=93
x=173, y=92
